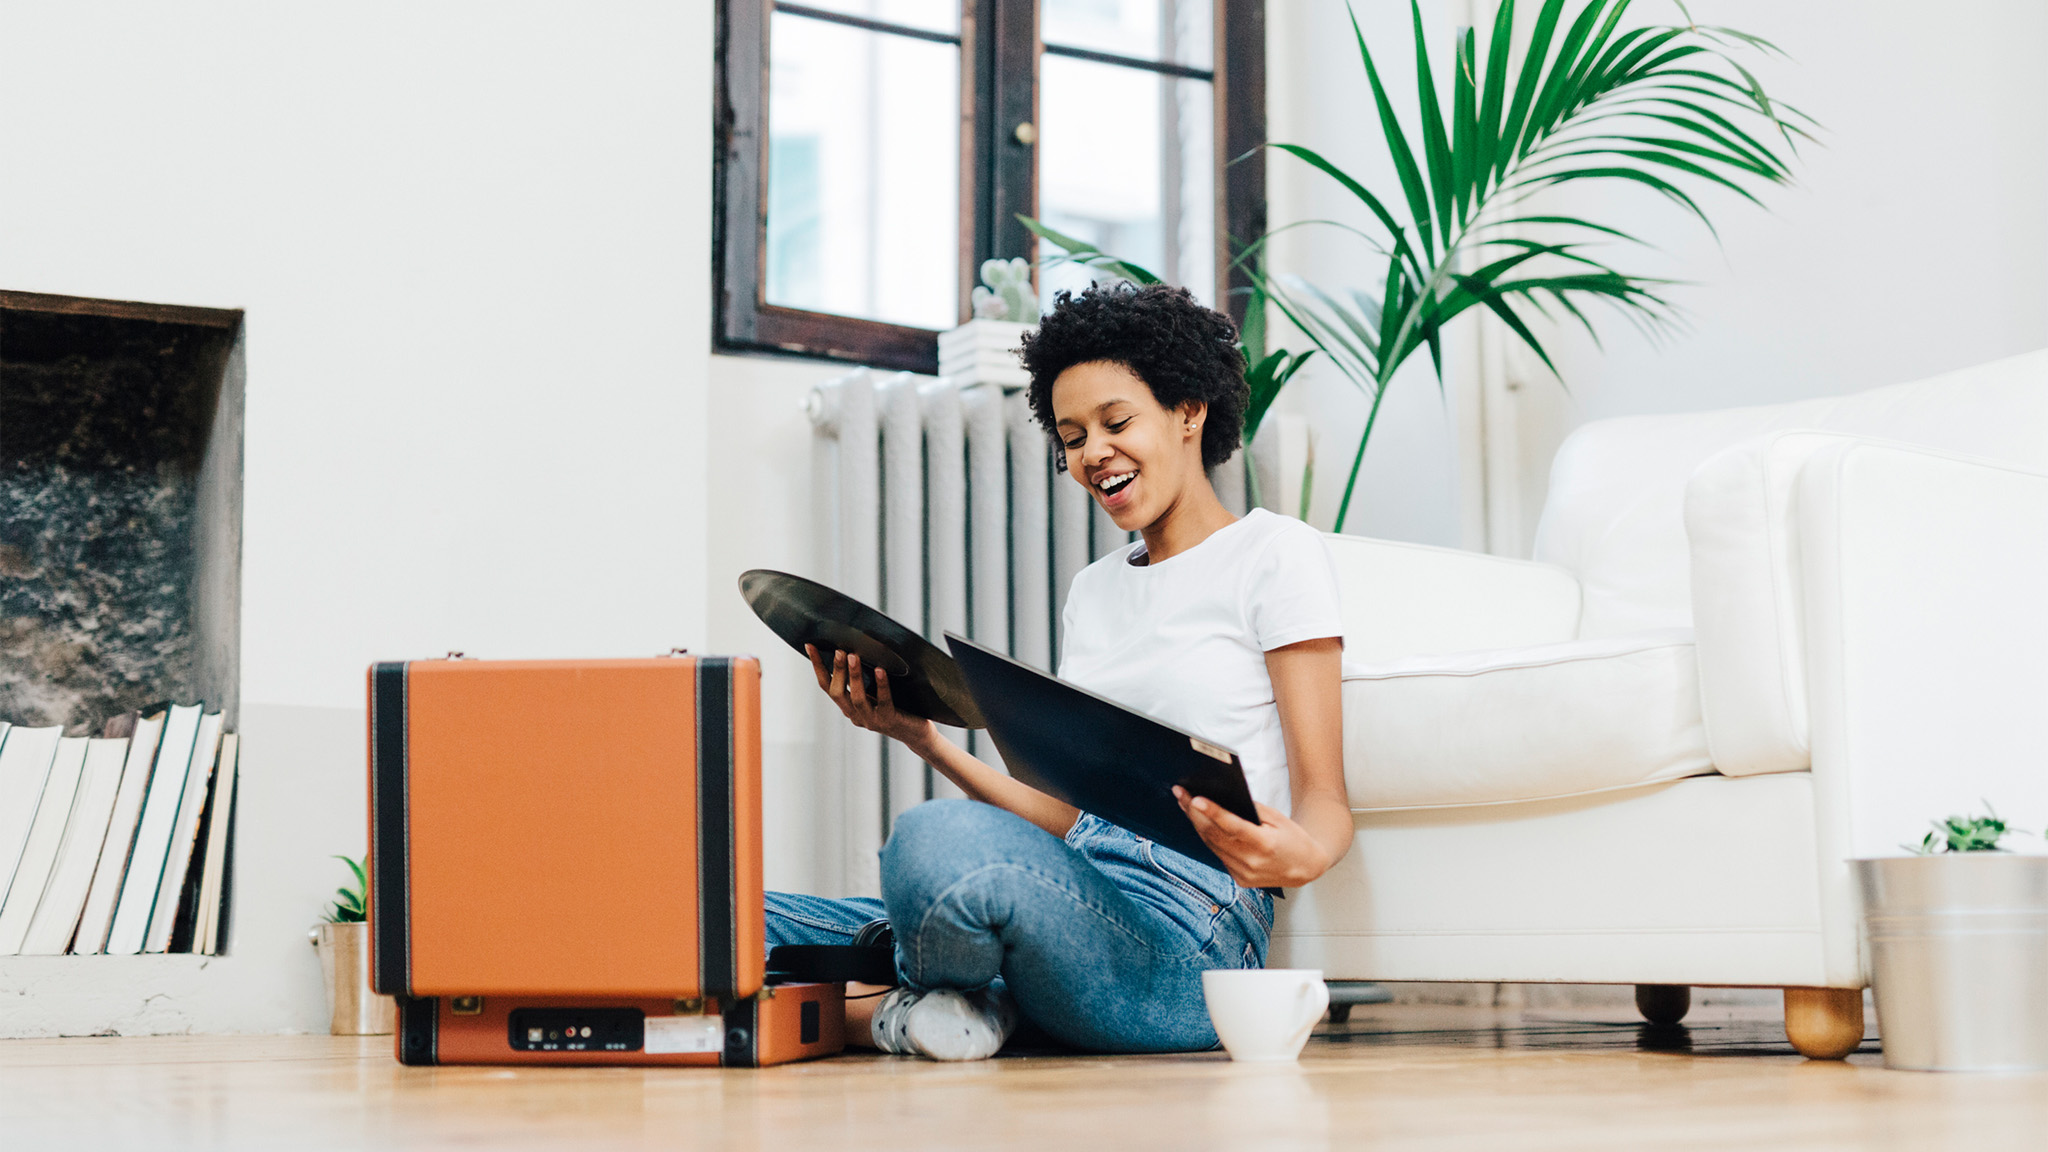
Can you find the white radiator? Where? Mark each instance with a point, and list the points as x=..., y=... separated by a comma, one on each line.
x=940, y=506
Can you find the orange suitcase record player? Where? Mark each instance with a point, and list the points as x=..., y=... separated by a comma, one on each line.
x=565, y=863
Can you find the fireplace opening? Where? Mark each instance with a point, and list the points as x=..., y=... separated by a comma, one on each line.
x=120, y=509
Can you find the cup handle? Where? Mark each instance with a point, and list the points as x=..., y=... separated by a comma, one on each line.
x=1316, y=996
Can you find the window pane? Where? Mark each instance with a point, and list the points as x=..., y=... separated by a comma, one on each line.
x=1126, y=162
x=863, y=174
x=936, y=15
x=1177, y=31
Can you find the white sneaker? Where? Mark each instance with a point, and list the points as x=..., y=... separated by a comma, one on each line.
x=943, y=1024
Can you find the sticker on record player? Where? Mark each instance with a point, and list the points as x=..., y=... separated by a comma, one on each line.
x=1208, y=749
x=670, y=1034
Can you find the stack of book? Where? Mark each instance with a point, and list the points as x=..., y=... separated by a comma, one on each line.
x=117, y=845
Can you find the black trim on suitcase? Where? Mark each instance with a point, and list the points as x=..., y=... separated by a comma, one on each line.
x=742, y=1035
x=391, y=967
x=419, y=1029
x=718, y=956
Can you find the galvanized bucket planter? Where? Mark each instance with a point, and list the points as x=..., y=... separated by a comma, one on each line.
x=353, y=1009
x=1959, y=956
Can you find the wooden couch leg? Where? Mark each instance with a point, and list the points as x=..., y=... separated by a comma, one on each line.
x=1663, y=1003
x=1824, y=1023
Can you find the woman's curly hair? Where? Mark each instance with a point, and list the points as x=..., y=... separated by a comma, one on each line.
x=1180, y=349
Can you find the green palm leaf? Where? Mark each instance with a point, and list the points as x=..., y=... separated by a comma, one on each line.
x=1081, y=252
x=1265, y=379
x=1486, y=133
x=1436, y=147
x=1464, y=125
x=1590, y=98
x=1412, y=185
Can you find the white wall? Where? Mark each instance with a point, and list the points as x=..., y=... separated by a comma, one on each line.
x=473, y=243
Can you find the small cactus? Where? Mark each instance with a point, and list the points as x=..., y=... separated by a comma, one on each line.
x=1008, y=295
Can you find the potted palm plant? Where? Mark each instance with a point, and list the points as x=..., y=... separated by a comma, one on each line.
x=1958, y=938
x=343, y=939
x=1583, y=96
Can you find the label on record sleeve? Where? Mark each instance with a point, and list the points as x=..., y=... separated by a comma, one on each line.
x=666, y=1034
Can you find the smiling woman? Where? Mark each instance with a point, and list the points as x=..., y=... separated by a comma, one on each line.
x=1013, y=903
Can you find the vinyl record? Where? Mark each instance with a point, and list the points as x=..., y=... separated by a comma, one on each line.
x=923, y=680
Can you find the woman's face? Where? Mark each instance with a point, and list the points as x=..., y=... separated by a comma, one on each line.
x=1134, y=456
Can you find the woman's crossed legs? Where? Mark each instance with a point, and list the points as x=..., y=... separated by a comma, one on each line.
x=1101, y=939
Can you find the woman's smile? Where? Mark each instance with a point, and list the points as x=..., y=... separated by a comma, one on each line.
x=1116, y=488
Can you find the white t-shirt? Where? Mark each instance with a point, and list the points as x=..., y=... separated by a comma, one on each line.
x=1185, y=640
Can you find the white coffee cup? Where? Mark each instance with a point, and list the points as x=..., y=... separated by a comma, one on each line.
x=1265, y=1014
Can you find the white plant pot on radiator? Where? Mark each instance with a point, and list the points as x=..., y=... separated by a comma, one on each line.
x=984, y=352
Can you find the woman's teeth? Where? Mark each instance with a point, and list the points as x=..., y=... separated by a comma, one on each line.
x=1111, y=485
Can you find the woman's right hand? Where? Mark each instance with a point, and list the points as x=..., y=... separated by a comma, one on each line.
x=842, y=681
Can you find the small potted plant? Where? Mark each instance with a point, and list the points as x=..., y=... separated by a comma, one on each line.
x=984, y=350
x=1958, y=942
x=343, y=939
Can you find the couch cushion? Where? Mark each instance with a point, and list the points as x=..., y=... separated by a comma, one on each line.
x=1402, y=600
x=1523, y=723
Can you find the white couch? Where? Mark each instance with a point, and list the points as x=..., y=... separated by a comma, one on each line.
x=1754, y=644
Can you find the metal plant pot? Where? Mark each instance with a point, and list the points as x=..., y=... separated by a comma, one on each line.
x=353, y=1009
x=1959, y=956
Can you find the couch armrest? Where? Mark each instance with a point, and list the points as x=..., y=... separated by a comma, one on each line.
x=1747, y=615
x=1924, y=580
x=1416, y=600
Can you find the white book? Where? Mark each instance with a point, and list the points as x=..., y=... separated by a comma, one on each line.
x=153, y=832
x=49, y=934
x=206, y=933
x=184, y=834
x=46, y=835
x=113, y=863
x=24, y=769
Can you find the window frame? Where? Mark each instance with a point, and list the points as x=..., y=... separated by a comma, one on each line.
x=1000, y=49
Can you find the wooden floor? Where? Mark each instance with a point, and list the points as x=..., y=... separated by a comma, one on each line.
x=1394, y=1077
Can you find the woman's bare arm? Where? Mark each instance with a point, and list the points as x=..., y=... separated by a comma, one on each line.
x=1280, y=852
x=848, y=689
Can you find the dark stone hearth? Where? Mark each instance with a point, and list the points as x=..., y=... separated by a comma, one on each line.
x=104, y=435
x=95, y=605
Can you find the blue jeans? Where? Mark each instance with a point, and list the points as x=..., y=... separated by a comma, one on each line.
x=1101, y=939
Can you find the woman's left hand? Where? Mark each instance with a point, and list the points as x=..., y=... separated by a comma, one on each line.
x=1275, y=853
